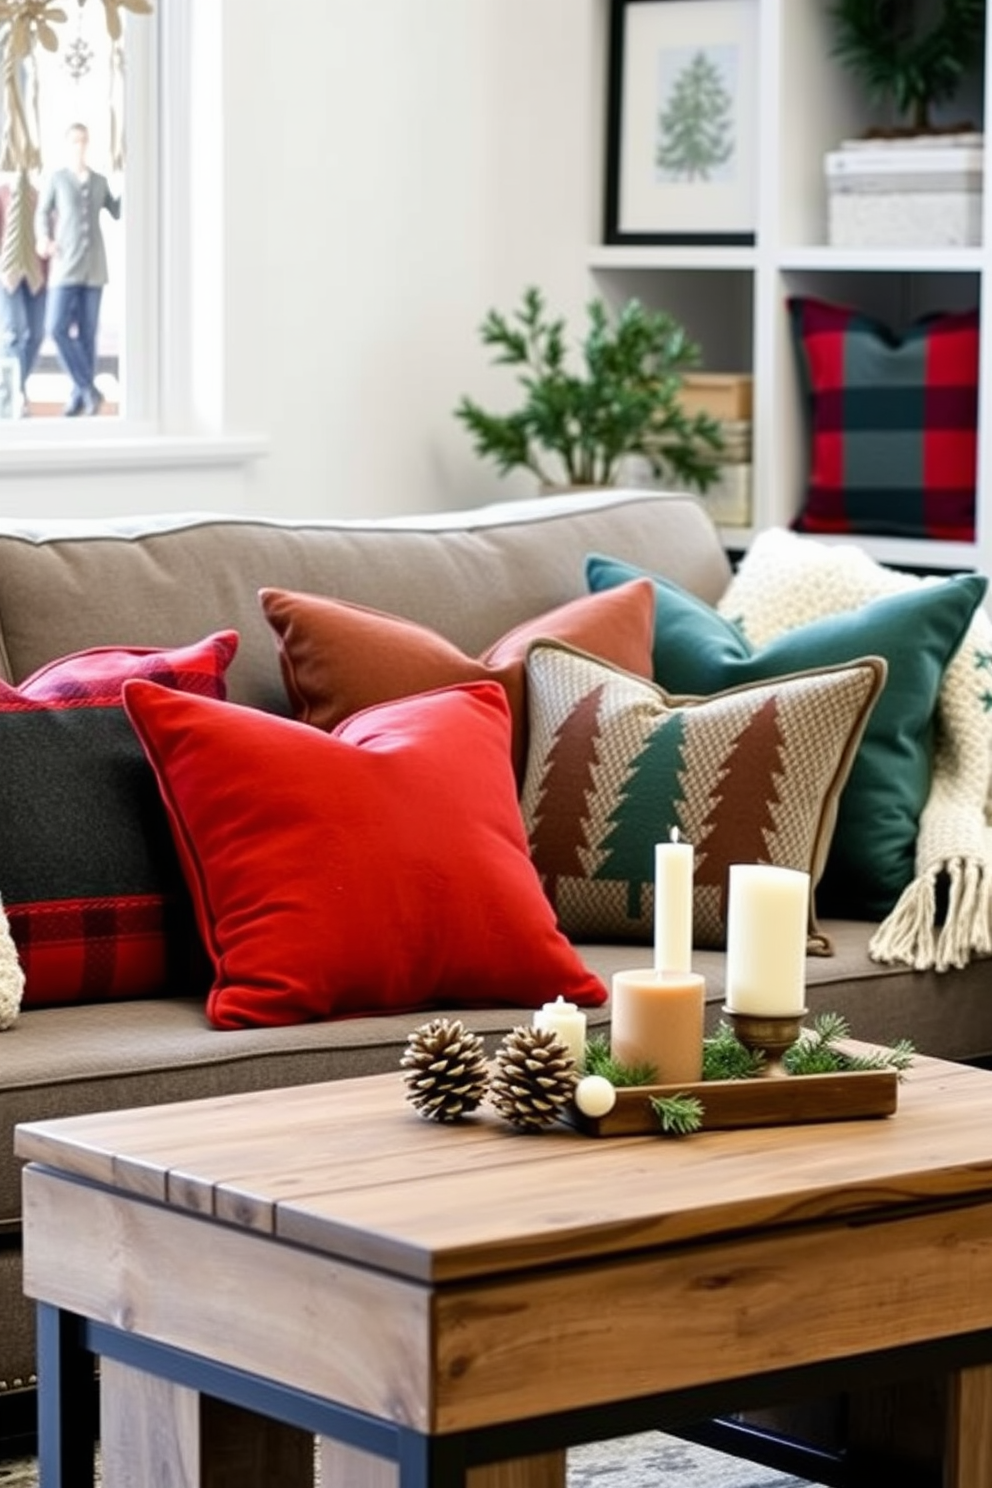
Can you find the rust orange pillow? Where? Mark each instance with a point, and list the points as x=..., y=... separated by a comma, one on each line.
x=338, y=658
x=381, y=868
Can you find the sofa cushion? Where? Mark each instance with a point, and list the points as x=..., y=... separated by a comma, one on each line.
x=872, y=857
x=893, y=422
x=338, y=658
x=380, y=868
x=471, y=575
x=88, y=874
x=750, y=775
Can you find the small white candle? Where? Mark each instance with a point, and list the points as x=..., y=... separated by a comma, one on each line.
x=568, y=1022
x=673, y=868
x=767, y=922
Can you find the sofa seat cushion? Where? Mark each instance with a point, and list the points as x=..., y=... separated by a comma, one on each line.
x=98, y=1057
x=338, y=658
x=74, y=1060
x=380, y=868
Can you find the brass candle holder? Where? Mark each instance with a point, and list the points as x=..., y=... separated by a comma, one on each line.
x=772, y=1035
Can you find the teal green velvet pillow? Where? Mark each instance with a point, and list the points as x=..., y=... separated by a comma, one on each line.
x=872, y=857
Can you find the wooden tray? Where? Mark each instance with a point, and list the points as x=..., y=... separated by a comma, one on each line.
x=771, y=1100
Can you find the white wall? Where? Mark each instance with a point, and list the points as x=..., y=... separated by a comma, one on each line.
x=415, y=162
x=386, y=170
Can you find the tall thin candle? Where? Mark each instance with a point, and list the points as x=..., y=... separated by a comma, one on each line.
x=673, y=868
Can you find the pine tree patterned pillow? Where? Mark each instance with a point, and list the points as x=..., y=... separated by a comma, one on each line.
x=749, y=775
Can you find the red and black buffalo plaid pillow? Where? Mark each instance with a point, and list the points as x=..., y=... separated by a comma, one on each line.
x=893, y=422
x=89, y=877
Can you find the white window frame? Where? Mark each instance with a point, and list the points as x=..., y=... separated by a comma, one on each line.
x=172, y=351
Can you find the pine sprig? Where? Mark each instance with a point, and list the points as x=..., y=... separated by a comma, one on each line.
x=600, y=1061
x=678, y=1115
x=899, y=1057
x=726, y=1058
x=815, y=1051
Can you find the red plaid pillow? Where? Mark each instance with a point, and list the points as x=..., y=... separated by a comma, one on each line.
x=88, y=873
x=893, y=422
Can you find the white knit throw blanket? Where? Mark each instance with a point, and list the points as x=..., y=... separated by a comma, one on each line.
x=11, y=975
x=786, y=580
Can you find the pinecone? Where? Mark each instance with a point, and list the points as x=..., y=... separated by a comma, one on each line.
x=445, y=1069
x=534, y=1078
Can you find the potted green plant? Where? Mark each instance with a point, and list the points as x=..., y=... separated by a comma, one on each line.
x=576, y=425
x=907, y=63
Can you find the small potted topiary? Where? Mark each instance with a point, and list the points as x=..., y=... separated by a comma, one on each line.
x=909, y=63
x=581, y=418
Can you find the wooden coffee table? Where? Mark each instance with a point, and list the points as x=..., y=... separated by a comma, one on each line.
x=452, y=1305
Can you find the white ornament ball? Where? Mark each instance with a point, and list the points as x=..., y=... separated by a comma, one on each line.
x=595, y=1096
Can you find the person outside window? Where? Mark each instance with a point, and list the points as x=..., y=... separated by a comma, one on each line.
x=68, y=233
x=23, y=276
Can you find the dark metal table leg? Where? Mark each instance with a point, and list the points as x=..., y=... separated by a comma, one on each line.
x=67, y=1424
x=431, y=1462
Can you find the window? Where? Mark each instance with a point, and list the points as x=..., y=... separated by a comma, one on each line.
x=110, y=85
x=162, y=332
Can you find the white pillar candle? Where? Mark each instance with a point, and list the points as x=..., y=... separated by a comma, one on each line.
x=656, y=1017
x=568, y=1022
x=767, y=923
x=673, y=867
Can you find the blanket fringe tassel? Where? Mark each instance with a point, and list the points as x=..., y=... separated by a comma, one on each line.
x=911, y=934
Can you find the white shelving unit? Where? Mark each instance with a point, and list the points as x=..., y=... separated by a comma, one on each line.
x=733, y=300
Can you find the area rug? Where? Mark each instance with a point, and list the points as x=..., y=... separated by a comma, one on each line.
x=651, y=1460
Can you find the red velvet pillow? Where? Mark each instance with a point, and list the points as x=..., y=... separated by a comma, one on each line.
x=381, y=868
x=338, y=658
x=88, y=873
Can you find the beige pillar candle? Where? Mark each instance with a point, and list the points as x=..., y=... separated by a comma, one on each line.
x=656, y=1017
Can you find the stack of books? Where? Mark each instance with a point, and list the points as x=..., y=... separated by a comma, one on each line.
x=726, y=397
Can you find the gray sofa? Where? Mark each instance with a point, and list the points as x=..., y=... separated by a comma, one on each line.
x=471, y=575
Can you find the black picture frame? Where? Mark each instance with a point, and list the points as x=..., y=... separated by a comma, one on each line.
x=654, y=42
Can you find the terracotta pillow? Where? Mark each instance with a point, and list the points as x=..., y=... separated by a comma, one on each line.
x=337, y=657
x=382, y=868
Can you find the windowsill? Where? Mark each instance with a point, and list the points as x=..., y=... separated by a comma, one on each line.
x=93, y=453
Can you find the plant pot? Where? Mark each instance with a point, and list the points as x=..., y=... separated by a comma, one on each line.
x=559, y=488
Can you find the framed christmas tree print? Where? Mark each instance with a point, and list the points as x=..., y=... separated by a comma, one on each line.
x=682, y=122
